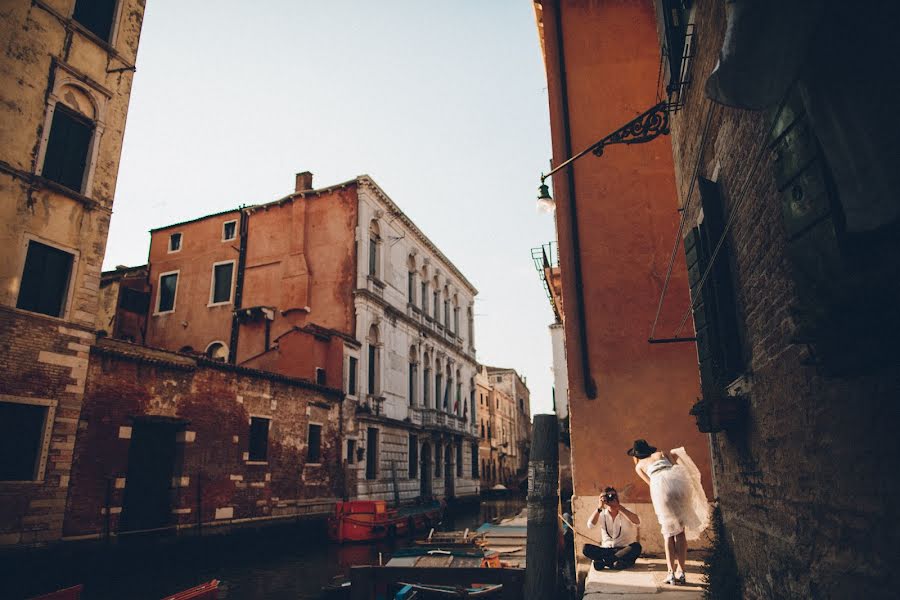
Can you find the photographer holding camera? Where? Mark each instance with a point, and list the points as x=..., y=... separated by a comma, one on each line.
x=618, y=533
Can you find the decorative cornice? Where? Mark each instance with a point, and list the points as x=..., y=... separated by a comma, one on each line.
x=368, y=182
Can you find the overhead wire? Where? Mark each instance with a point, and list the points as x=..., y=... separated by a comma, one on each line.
x=736, y=208
x=685, y=209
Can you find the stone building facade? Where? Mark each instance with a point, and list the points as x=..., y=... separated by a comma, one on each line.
x=168, y=441
x=504, y=441
x=518, y=414
x=65, y=80
x=793, y=144
x=336, y=285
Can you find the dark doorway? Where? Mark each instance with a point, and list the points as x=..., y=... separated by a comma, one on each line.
x=448, y=472
x=148, y=483
x=425, y=471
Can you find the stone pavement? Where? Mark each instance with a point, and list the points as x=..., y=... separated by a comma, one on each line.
x=643, y=580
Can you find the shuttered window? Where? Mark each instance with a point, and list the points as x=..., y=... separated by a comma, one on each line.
x=715, y=312
x=67, y=148
x=314, y=444
x=45, y=280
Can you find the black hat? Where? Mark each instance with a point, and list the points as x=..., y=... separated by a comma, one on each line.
x=641, y=449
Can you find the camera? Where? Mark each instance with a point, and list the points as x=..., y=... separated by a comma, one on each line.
x=610, y=496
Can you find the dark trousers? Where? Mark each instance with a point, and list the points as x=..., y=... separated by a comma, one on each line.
x=614, y=558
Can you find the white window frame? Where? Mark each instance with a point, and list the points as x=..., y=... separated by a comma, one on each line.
x=250, y=418
x=222, y=343
x=321, y=445
x=351, y=353
x=67, y=304
x=212, y=283
x=169, y=242
x=46, y=434
x=113, y=31
x=156, y=311
x=225, y=239
x=65, y=75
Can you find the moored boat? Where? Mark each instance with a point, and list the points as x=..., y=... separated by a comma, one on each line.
x=370, y=520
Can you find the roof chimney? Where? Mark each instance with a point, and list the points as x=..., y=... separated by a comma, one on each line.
x=303, y=182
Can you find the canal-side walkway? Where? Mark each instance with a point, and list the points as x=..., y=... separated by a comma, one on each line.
x=644, y=580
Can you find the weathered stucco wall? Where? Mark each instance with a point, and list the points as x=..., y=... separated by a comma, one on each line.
x=128, y=384
x=49, y=61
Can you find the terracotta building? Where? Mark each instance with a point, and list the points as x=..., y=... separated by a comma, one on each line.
x=337, y=286
x=786, y=162
x=65, y=81
x=614, y=214
x=517, y=417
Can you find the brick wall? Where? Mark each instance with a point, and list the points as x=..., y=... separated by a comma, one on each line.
x=213, y=402
x=42, y=361
x=806, y=483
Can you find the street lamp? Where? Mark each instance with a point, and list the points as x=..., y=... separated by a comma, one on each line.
x=645, y=127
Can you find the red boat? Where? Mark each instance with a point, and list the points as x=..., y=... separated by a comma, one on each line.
x=369, y=520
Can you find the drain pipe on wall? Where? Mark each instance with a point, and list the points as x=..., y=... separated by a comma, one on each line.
x=239, y=287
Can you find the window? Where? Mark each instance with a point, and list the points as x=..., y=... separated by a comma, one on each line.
x=373, y=360
x=321, y=378
x=424, y=298
x=45, y=280
x=482, y=430
x=521, y=405
x=371, y=453
x=221, y=283
x=21, y=435
x=175, y=242
x=459, y=459
x=134, y=301
x=413, y=456
x=438, y=459
x=165, y=297
x=314, y=444
x=412, y=383
x=217, y=351
x=351, y=375
x=437, y=388
x=66, y=156
x=426, y=384
x=474, y=461
x=374, y=243
x=259, y=439
x=456, y=320
x=351, y=452
x=446, y=312
x=471, y=320
x=437, y=305
x=229, y=229
x=96, y=16
x=411, y=287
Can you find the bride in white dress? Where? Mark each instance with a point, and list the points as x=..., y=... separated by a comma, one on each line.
x=678, y=499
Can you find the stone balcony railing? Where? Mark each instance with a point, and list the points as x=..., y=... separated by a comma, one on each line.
x=432, y=417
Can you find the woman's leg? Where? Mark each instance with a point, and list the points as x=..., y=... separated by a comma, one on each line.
x=681, y=550
x=670, y=553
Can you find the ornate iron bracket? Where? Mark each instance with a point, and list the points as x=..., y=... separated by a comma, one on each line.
x=643, y=128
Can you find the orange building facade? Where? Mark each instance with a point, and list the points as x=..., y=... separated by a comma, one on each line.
x=338, y=287
x=615, y=218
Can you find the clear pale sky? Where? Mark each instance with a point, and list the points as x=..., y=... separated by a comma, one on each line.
x=444, y=104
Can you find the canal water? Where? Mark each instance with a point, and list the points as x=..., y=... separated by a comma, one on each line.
x=283, y=563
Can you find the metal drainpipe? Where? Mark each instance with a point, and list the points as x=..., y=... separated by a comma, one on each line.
x=590, y=386
x=238, y=288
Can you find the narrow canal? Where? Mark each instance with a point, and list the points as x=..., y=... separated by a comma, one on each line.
x=284, y=563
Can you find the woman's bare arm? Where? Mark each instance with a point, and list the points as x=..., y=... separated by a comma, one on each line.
x=640, y=472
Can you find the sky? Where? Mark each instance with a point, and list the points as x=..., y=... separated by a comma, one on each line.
x=443, y=104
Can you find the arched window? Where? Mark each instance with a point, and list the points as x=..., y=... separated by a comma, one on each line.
x=426, y=381
x=455, y=315
x=423, y=288
x=448, y=392
x=411, y=280
x=374, y=249
x=482, y=430
x=374, y=366
x=447, y=308
x=438, y=380
x=73, y=125
x=436, y=296
x=413, y=375
x=217, y=351
x=459, y=402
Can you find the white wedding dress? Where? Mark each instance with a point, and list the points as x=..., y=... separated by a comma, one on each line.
x=678, y=497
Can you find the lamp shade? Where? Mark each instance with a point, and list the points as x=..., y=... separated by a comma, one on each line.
x=545, y=202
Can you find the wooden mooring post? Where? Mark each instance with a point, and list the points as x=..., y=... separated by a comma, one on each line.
x=543, y=498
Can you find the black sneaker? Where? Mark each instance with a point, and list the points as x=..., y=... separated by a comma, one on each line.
x=599, y=564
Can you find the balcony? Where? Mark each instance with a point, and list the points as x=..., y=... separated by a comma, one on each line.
x=546, y=262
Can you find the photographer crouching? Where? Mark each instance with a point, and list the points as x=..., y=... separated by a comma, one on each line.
x=618, y=533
